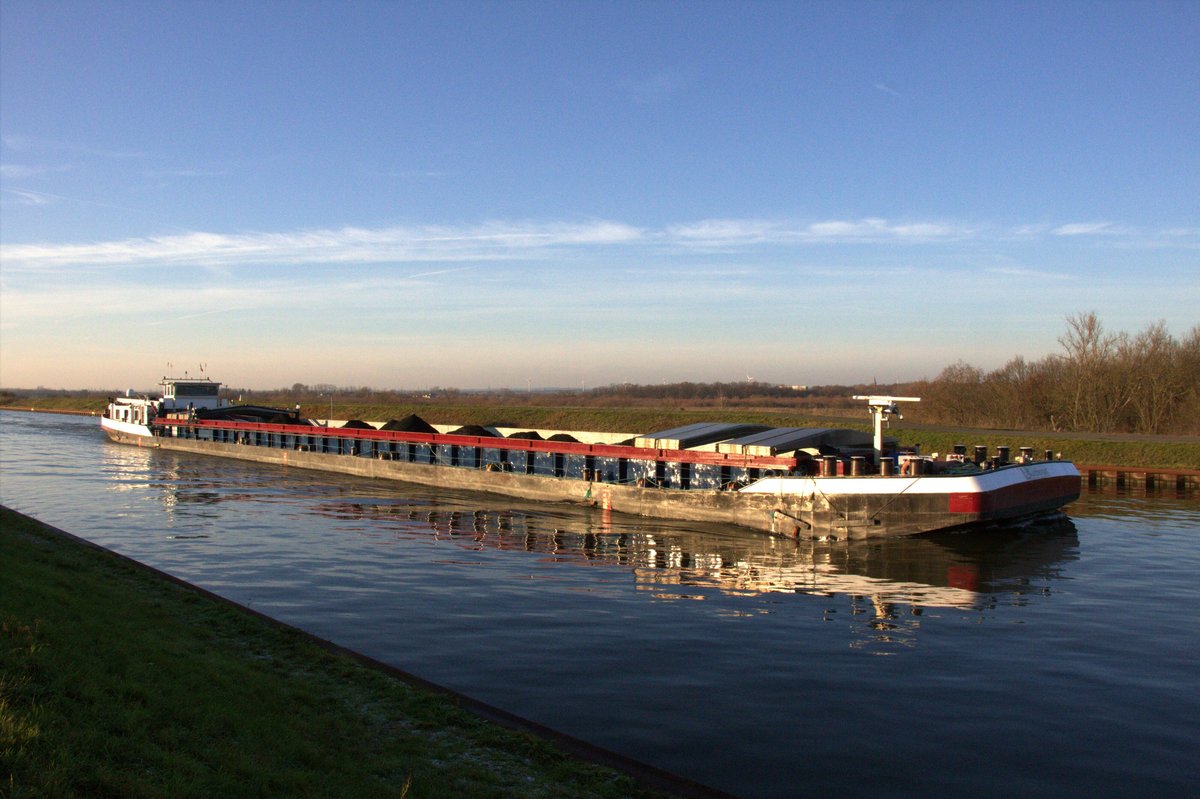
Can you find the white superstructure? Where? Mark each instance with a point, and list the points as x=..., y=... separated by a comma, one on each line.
x=131, y=415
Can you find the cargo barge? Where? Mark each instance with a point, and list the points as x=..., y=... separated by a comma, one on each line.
x=795, y=482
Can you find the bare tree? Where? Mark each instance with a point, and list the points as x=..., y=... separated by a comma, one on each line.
x=1151, y=360
x=1096, y=387
x=1101, y=382
x=957, y=394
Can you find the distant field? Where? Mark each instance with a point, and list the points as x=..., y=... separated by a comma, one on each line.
x=1171, y=452
x=66, y=404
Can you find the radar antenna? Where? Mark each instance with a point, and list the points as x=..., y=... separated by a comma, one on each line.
x=882, y=409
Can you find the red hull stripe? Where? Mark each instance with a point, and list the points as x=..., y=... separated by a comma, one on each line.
x=1032, y=492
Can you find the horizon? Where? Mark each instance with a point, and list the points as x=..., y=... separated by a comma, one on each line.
x=319, y=388
x=477, y=194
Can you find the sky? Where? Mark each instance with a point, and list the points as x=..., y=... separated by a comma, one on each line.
x=533, y=194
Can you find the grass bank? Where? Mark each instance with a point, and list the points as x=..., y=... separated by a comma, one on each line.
x=116, y=682
x=93, y=405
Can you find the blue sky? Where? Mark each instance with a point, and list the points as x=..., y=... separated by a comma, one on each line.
x=581, y=193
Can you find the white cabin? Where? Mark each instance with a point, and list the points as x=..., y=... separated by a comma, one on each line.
x=181, y=394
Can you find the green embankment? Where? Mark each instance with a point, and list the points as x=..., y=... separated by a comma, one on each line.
x=93, y=405
x=1149, y=453
x=115, y=682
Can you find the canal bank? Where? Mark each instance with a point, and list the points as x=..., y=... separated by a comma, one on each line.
x=121, y=680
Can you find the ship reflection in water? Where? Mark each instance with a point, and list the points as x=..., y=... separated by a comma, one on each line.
x=888, y=582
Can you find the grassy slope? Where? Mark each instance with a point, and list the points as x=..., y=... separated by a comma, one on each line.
x=94, y=405
x=636, y=420
x=115, y=682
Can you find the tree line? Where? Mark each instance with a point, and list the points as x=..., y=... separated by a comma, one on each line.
x=1101, y=382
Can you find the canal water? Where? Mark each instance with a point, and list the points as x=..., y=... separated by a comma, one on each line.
x=1057, y=659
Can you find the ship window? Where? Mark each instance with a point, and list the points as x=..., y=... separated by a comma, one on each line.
x=195, y=389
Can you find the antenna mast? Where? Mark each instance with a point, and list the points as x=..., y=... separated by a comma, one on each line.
x=882, y=409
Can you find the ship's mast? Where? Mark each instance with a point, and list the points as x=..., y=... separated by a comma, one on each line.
x=882, y=409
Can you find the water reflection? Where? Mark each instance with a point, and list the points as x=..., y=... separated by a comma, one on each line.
x=1166, y=507
x=1164, y=488
x=126, y=468
x=962, y=570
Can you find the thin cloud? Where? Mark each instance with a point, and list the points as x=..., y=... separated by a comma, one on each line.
x=27, y=197
x=186, y=172
x=190, y=316
x=436, y=272
x=883, y=87
x=1016, y=271
x=31, y=197
x=726, y=231
x=731, y=232
x=1083, y=229
x=1031, y=230
x=29, y=143
x=1101, y=229
x=556, y=242
x=873, y=229
x=492, y=241
x=22, y=171
x=412, y=174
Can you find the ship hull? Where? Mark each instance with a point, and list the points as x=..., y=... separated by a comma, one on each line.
x=126, y=432
x=801, y=507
